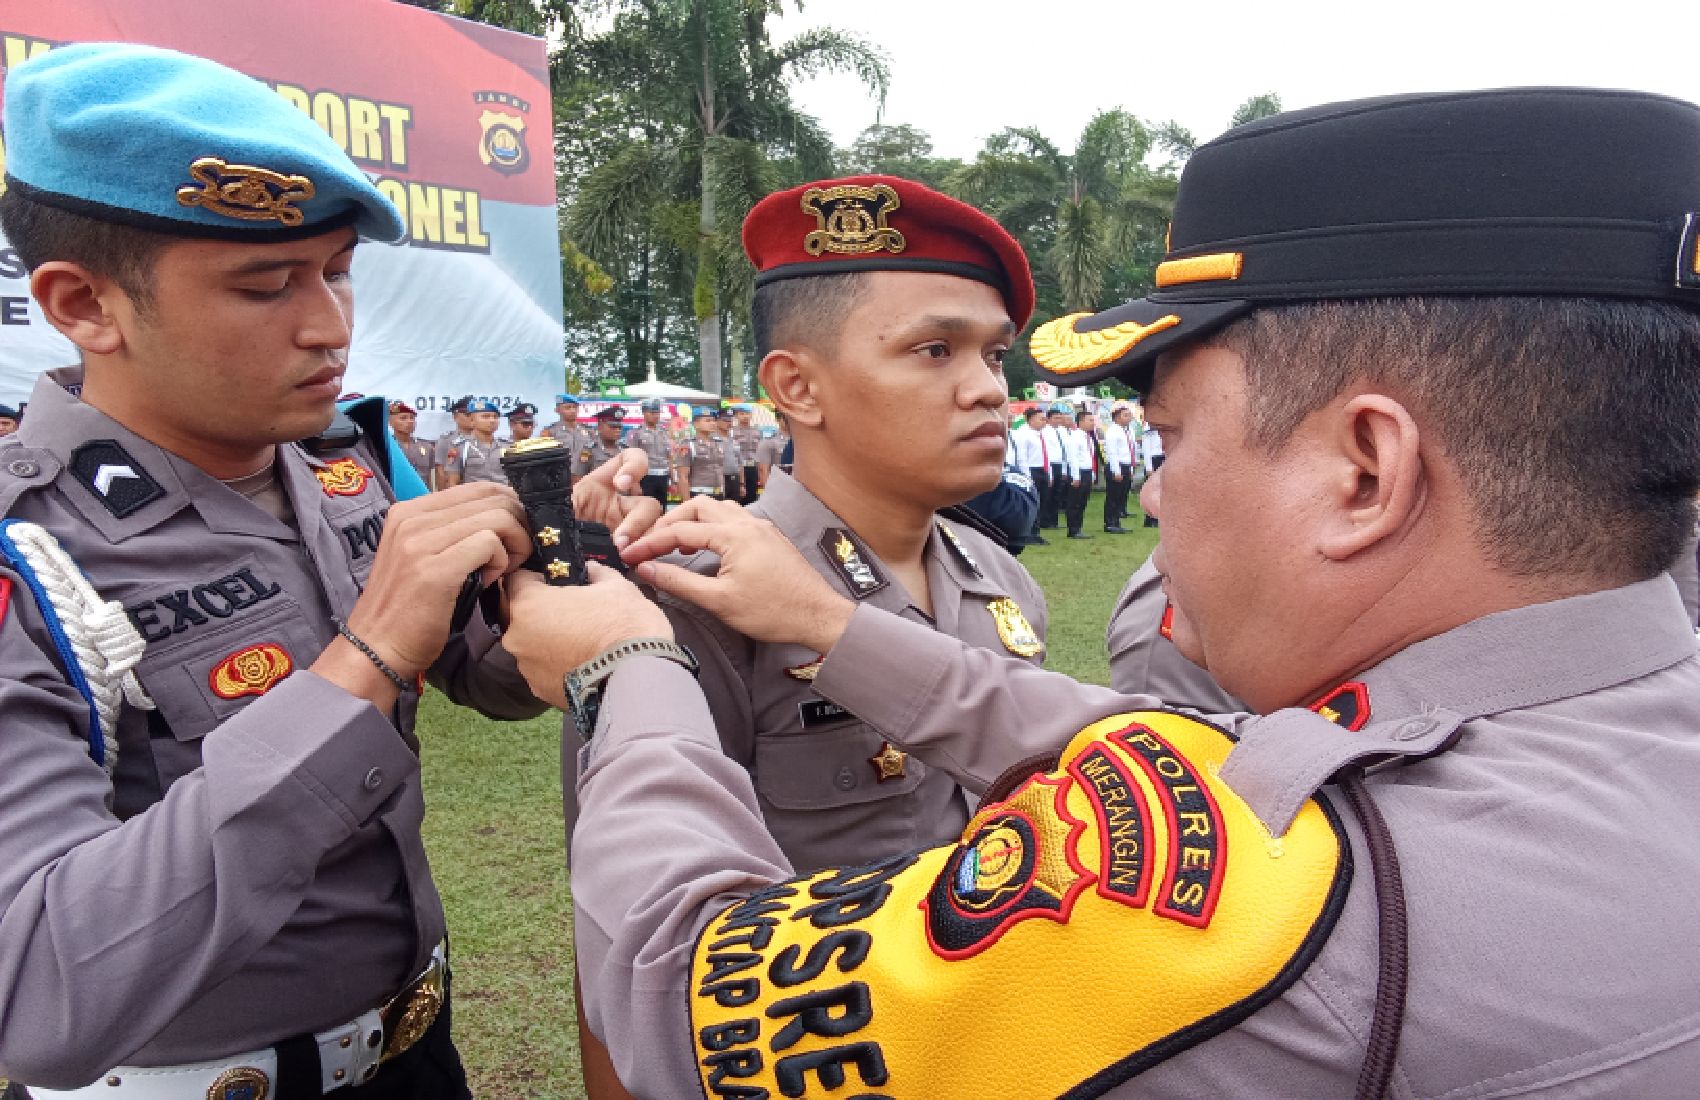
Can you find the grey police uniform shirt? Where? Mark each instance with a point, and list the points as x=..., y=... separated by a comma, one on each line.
x=707, y=460
x=419, y=456
x=746, y=440
x=657, y=443
x=593, y=455
x=446, y=443
x=1143, y=661
x=477, y=461
x=573, y=435
x=253, y=870
x=818, y=787
x=1550, y=855
x=771, y=450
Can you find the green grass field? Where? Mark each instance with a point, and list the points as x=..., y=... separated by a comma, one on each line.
x=497, y=847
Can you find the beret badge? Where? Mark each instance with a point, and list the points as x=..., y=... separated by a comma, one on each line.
x=244, y=192
x=851, y=220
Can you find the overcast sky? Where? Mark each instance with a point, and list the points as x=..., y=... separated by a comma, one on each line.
x=962, y=70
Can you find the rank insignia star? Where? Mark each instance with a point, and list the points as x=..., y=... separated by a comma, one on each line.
x=889, y=762
x=548, y=537
x=558, y=569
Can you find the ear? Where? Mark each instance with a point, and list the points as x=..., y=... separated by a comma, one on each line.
x=1374, y=447
x=785, y=375
x=81, y=305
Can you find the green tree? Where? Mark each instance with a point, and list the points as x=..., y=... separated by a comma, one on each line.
x=1077, y=212
x=898, y=151
x=711, y=125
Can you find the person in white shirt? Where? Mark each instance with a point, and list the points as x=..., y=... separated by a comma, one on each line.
x=1118, y=468
x=1055, y=434
x=1032, y=456
x=1083, y=463
x=1151, y=457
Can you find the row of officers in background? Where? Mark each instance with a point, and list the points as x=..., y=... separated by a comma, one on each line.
x=1067, y=453
x=725, y=455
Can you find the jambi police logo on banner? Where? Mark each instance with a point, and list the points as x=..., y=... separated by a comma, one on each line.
x=501, y=144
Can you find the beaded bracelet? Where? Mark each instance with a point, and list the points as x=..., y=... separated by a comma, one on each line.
x=371, y=655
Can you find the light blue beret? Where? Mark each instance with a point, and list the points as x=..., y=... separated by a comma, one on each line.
x=1063, y=407
x=482, y=405
x=181, y=145
x=565, y=399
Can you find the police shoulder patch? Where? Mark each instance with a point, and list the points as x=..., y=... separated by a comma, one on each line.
x=1131, y=864
x=845, y=554
x=116, y=479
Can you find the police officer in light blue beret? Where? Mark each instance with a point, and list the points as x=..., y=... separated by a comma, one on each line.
x=212, y=637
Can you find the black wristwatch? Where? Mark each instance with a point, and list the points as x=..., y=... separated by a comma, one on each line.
x=583, y=684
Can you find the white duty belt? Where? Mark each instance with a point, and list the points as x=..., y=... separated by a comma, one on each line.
x=349, y=1055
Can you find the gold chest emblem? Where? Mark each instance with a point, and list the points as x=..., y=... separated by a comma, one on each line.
x=345, y=477
x=851, y=220
x=250, y=671
x=245, y=192
x=1014, y=630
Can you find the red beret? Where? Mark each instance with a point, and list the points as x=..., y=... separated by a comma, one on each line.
x=400, y=407
x=883, y=223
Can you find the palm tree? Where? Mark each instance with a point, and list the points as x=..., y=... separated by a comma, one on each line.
x=715, y=127
x=1077, y=212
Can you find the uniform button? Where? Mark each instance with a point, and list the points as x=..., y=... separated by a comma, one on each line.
x=374, y=779
x=845, y=780
x=23, y=467
x=1411, y=730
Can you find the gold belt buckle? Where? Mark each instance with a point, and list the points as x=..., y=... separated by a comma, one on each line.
x=412, y=1011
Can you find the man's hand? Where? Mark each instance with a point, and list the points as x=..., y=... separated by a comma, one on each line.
x=1075, y=483
x=610, y=495
x=552, y=631
x=429, y=546
x=764, y=589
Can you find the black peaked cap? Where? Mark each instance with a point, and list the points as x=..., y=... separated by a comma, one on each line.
x=1522, y=191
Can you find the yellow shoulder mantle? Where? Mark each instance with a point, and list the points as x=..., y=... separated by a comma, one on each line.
x=1099, y=920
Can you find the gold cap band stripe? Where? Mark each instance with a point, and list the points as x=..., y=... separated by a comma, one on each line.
x=1061, y=350
x=1200, y=269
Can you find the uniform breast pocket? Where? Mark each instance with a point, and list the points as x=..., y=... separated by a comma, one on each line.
x=837, y=795
x=359, y=530
x=205, y=678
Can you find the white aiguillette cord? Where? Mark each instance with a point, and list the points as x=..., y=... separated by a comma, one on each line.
x=102, y=638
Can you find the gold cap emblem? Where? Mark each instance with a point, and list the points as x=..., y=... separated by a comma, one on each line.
x=850, y=220
x=245, y=192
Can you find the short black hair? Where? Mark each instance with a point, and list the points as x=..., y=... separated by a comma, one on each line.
x=1574, y=422
x=41, y=233
x=1031, y=413
x=1082, y=414
x=810, y=308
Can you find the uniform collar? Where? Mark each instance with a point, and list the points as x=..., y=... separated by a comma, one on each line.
x=60, y=423
x=807, y=522
x=1414, y=703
